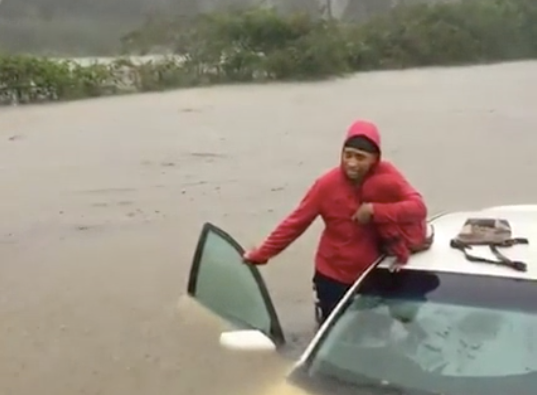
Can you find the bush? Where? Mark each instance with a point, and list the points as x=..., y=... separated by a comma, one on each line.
x=260, y=44
x=27, y=79
x=447, y=33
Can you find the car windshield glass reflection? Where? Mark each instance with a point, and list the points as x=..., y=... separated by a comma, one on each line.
x=439, y=332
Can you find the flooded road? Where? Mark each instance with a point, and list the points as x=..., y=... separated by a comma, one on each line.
x=103, y=200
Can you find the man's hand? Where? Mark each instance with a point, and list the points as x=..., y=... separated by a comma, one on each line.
x=395, y=267
x=251, y=258
x=364, y=213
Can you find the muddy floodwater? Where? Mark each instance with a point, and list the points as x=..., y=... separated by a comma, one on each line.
x=103, y=200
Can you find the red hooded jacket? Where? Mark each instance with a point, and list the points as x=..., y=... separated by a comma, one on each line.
x=347, y=248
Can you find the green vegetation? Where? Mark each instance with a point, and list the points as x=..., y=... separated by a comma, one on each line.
x=263, y=45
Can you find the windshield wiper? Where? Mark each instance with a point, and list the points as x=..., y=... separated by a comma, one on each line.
x=378, y=387
x=401, y=390
x=342, y=382
x=384, y=387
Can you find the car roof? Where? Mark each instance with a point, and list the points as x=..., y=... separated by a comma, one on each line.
x=441, y=257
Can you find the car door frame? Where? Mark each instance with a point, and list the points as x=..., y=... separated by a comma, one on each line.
x=276, y=333
x=321, y=334
x=319, y=337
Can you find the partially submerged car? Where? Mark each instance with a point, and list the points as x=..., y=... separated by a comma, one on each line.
x=442, y=325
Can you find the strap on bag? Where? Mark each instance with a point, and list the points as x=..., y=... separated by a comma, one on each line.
x=502, y=259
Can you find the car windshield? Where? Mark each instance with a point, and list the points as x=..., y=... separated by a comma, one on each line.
x=433, y=332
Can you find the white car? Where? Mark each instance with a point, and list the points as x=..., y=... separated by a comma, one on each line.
x=442, y=325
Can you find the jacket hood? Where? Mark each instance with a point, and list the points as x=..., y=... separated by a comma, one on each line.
x=365, y=129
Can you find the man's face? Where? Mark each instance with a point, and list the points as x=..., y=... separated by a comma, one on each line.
x=356, y=163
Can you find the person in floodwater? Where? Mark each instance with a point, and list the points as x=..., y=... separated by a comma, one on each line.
x=359, y=201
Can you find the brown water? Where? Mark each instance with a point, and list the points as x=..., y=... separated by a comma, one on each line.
x=102, y=202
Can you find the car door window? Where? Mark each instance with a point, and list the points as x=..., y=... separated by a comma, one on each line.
x=235, y=291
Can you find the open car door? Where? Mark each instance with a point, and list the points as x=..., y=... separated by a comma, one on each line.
x=231, y=289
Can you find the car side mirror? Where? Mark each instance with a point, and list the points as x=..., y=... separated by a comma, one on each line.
x=246, y=340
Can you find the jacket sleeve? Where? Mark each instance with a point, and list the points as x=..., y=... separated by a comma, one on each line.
x=291, y=227
x=410, y=207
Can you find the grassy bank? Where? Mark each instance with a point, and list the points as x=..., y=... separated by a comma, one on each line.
x=261, y=45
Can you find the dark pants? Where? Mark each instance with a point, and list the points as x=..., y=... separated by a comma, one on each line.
x=328, y=293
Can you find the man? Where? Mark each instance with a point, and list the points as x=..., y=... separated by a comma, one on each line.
x=350, y=242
